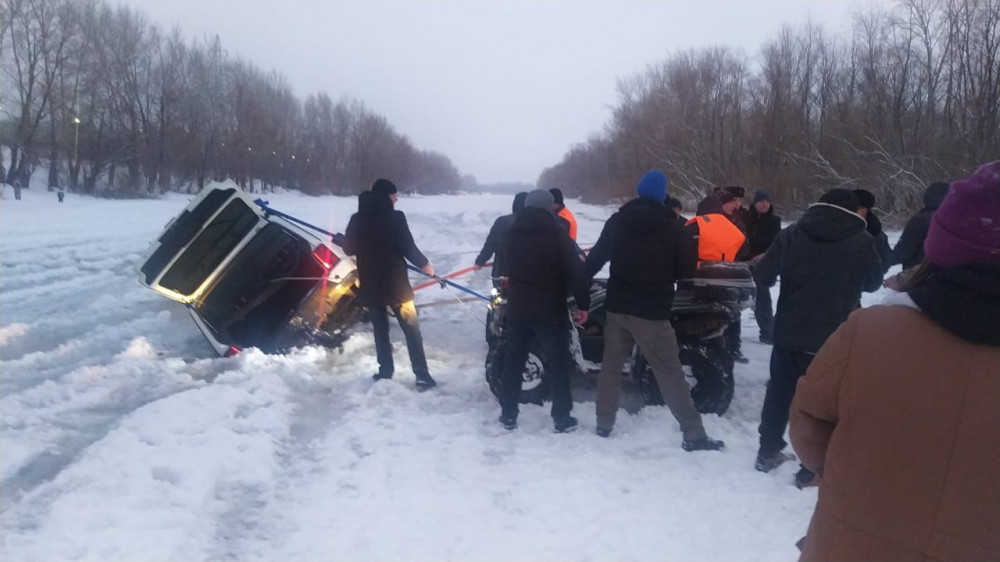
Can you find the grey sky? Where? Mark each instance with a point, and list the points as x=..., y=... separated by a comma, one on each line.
x=503, y=88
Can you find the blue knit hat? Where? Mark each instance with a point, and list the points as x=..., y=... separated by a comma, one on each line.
x=761, y=195
x=653, y=186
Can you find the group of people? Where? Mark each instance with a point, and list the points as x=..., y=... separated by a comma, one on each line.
x=893, y=409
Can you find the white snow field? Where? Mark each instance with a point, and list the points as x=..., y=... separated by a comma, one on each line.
x=124, y=438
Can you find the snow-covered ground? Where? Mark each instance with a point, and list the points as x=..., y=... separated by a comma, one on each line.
x=123, y=438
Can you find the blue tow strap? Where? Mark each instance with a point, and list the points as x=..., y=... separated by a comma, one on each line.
x=333, y=237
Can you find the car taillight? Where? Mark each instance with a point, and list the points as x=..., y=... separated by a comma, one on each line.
x=233, y=350
x=325, y=256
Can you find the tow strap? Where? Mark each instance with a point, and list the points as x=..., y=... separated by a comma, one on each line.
x=268, y=210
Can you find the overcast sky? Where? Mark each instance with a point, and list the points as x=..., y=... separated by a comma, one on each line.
x=503, y=87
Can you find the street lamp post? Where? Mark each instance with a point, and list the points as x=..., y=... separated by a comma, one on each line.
x=76, y=141
x=76, y=154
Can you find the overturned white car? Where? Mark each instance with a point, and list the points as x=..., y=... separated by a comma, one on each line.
x=252, y=278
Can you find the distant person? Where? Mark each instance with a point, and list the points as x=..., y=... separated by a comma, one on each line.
x=380, y=238
x=899, y=412
x=493, y=247
x=17, y=190
x=60, y=194
x=739, y=214
x=648, y=253
x=542, y=270
x=675, y=205
x=866, y=199
x=909, y=250
x=763, y=227
x=563, y=213
x=825, y=261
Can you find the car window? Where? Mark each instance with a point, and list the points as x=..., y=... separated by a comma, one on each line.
x=212, y=245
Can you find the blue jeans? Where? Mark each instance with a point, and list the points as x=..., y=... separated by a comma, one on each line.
x=406, y=314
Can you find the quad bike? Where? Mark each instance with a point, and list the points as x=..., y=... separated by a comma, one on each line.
x=704, y=307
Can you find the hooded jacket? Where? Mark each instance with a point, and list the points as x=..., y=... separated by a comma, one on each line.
x=380, y=239
x=495, y=239
x=898, y=414
x=648, y=253
x=825, y=261
x=909, y=250
x=542, y=269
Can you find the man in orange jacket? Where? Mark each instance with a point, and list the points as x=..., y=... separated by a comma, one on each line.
x=717, y=237
x=563, y=213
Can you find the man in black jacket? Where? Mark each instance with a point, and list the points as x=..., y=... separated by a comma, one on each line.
x=866, y=201
x=909, y=250
x=380, y=239
x=763, y=227
x=825, y=261
x=648, y=252
x=542, y=268
x=493, y=247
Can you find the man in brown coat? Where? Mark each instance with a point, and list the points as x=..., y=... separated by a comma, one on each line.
x=899, y=413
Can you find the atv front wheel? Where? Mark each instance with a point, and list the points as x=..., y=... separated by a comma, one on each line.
x=714, y=386
x=534, y=383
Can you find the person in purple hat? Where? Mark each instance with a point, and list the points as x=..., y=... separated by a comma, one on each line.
x=899, y=412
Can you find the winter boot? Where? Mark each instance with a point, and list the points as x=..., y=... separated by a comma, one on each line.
x=603, y=431
x=565, y=424
x=703, y=444
x=425, y=382
x=381, y=376
x=805, y=478
x=768, y=461
x=508, y=422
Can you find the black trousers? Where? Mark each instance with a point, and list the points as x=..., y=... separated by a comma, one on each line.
x=764, y=312
x=553, y=344
x=787, y=365
x=406, y=314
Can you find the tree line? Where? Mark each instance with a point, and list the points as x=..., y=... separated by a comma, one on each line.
x=113, y=105
x=909, y=97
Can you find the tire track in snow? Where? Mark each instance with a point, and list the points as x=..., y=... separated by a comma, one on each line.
x=255, y=515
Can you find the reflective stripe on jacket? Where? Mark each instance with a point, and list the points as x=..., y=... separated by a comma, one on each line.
x=718, y=238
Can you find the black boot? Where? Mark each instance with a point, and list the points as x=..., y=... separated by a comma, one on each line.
x=770, y=460
x=508, y=422
x=703, y=444
x=805, y=478
x=565, y=424
x=425, y=382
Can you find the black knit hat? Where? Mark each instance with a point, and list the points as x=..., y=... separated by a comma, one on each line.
x=384, y=186
x=675, y=203
x=866, y=198
x=738, y=191
x=519, y=202
x=843, y=198
x=557, y=195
